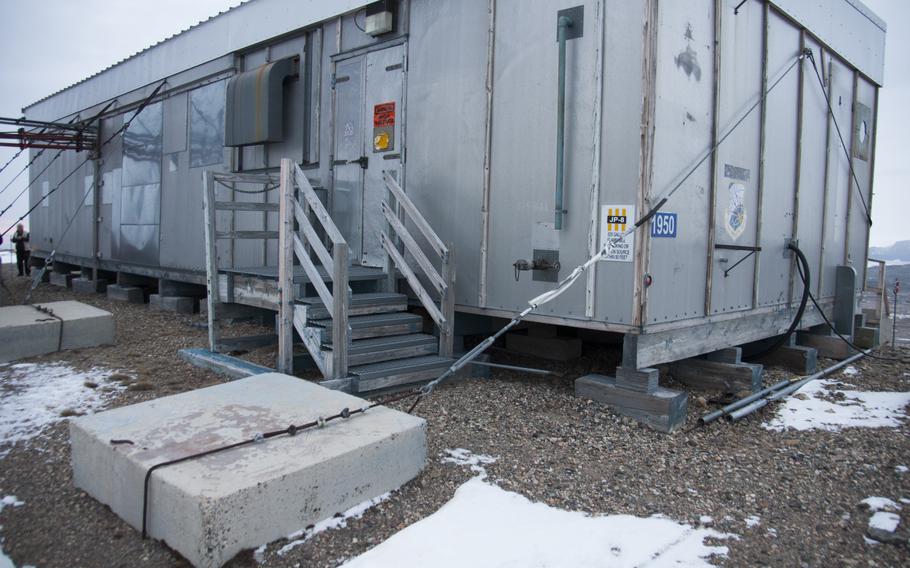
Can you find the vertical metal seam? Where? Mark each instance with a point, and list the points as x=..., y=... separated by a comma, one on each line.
x=828, y=119
x=762, y=139
x=646, y=154
x=597, y=120
x=800, y=102
x=488, y=149
x=870, y=184
x=712, y=193
x=330, y=198
x=851, y=162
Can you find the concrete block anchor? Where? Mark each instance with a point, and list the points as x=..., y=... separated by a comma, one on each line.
x=210, y=509
x=663, y=409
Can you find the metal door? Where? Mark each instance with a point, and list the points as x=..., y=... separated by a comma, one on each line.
x=368, y=141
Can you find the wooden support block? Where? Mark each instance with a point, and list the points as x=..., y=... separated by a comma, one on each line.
x=130, y=294
x=872, y=315
x=62, y=279
x=663, y=410
x=543, y=331
x=732, y=355
x=640, y=380
x=177, y=304
x=247, y=343
x=797, y=358
x=715, y=375
x=829, y=346
x=553, y=348
x=87, y=286
x=866, y=337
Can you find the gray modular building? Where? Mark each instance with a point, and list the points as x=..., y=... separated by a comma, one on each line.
x=460, y=100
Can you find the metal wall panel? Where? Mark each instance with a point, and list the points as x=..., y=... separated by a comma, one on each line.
x=684, y=116
x=347, y=188
x=447, y=69
x=779, y=169
x=864, y=132
x=620, y=150
x=736, y=178
x=813, y=157
x=524, y=151
x=846, y=26
x=838, y=178
x=175, y=123
x=139, y=200
x=111, y=176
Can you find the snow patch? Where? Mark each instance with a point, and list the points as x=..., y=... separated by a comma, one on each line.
x=32, y=396
x=901, y=469
x=485, y=526
x=752, y=521
x=8, y=501
x=850, y=371
x=461, y=456
x=884, y=521
x=815, y=411
x=337, y=522
x=880, y=504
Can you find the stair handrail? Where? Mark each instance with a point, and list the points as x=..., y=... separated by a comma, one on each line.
x=335, y=263
x=443, y=280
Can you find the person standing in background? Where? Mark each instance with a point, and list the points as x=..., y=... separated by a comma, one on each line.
x=20, y=239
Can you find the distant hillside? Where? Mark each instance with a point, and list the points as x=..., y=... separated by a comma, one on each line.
x=900, y=272
x=898, y=251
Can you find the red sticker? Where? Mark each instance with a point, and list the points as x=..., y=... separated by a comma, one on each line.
x=384, y=114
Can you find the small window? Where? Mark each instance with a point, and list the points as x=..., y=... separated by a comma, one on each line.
x=207, y=125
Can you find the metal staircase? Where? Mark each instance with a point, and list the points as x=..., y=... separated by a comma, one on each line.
x=353, y=321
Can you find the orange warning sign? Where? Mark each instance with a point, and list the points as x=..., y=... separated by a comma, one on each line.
x=384, y=114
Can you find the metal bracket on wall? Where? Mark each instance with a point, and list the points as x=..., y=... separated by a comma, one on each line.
x=752, y=250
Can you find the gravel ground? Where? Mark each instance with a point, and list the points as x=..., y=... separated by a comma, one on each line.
x=552, y=447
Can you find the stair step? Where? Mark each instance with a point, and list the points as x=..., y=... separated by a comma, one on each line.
x=361, y=304
x=380, y=325
x=398, y=373
x=377, y=349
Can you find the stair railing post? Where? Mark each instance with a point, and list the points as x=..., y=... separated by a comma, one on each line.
x=340, y=302
x=211, y=258
x=286, y=292
x=447, y=304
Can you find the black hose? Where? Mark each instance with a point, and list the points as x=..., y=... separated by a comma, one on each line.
x=803, y=267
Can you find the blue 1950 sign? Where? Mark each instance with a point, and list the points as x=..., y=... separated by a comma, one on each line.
x=664, y=225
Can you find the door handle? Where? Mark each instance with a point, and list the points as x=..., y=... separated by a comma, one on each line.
x=363, y=162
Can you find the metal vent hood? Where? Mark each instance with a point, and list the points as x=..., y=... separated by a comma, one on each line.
x=255, y=104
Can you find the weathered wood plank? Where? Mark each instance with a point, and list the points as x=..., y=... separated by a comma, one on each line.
x=414, y=214
x=413, y=281
x=412, y=247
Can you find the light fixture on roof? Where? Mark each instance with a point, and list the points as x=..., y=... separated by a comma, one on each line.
x=379, y=18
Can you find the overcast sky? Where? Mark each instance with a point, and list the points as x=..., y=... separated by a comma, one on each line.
x=50, y=44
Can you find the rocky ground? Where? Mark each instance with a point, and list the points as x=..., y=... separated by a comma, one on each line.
x=804, y=487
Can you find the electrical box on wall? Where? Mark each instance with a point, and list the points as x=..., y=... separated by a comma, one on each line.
x=379, y=19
